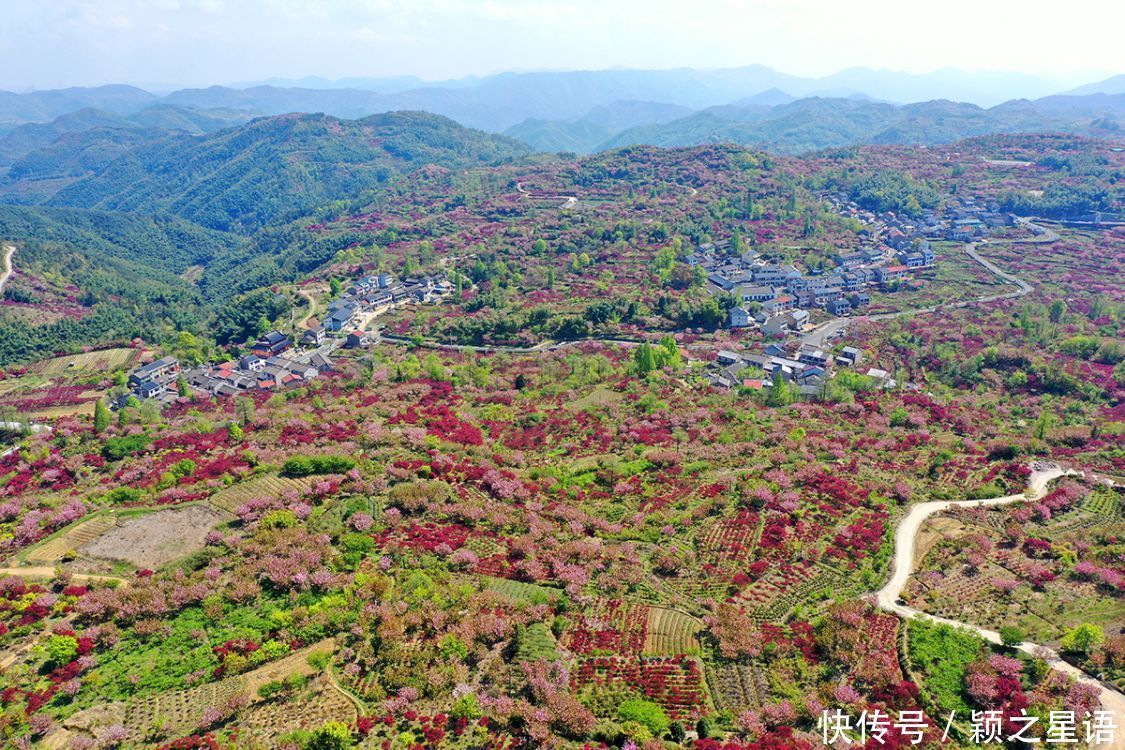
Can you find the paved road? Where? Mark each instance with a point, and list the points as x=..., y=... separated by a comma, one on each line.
x=906, y=536
x=569, y=201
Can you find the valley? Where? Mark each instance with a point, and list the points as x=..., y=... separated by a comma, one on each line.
x=390, y=433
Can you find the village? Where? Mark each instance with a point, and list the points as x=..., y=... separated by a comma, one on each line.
x=773, y=297
x=277, y=361
x=778, y=299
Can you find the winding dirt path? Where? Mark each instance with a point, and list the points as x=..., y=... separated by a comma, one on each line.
x=314, y=310
x=43, y=571
x=9, y=251
x=906, y=535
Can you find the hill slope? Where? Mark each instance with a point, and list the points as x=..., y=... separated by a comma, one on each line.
x=599, y=124
x=44, y=106
x=121, y=272
x=816, y=123
x=278, y=168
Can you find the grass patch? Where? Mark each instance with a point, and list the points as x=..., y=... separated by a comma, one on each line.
x=940, y=654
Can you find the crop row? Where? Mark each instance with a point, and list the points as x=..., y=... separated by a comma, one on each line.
x=780, y=595
x=674, y=682
x=737, y=687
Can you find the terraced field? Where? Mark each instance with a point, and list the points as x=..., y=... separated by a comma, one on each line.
x=104, y=360
x=320, y=704
x=57, y=547
x=771, y=598
x=270, y=485
x=520, y=591
x=737, y=687
x=671, y=632
x=536, y=643
x=177, y=713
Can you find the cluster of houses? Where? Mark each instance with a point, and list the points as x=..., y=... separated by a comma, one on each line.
x=777, y=298
x=808, y=367
x=961, y=219
x=378, y=292
x=156, y=380
x=769, y=295
x=271, y=365
x=275, y=361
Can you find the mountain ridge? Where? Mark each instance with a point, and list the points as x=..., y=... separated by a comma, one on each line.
x=503, y=100
x=274, y=168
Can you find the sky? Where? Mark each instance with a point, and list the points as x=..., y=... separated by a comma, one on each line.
x=172, y=43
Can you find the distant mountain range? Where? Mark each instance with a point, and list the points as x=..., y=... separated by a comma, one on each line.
x=30, y=137
x=74, y=133
x=1114, y=85
x=814, y=123
x=501, y=101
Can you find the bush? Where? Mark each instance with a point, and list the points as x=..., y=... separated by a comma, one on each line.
x=61, y=649
x=282, y=688
x=271, y=689
x=122, y=495
x=319, y=659
x=941, y=654
x=278, y=519
x=992, y=489
x=646, y=713
x=1011, y=635
x=467, y=707
x=303, y=466
x=335, y=735
x=117, y=448
x=676, y=731
x=1082, y=639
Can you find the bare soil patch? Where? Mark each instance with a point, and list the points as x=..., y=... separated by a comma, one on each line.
x=154, y=539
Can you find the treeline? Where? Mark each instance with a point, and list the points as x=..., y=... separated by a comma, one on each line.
x=22, y=343
x=274, y=255
x=893, y=191
x=126, y=268
x=1060, y=200
x=499, y=322
x=159, y=241
x=248, y=316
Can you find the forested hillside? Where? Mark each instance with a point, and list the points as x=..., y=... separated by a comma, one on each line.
x=137, y=248
x=31, y=137
x=816, y=123
x=121, y=273
x=279, y=168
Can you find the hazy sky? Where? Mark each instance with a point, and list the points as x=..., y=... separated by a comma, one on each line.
x=52, y=43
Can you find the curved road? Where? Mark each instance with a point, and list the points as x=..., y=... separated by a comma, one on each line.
x=9, y=251
x=820, y=335
x=570, y=201
x=906, y=534
x=546, y=345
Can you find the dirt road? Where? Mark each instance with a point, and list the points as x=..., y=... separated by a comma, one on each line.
x=906, y=536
